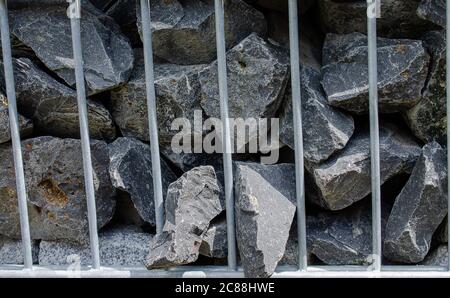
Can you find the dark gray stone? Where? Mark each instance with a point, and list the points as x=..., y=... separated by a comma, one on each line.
x=53, y=106
x=184, y=31
x=281, y=5
x=441, y=235
x=25, y=125
x=419, y=209
x=11, y=252
x=108, y=57
x=438, y=257
x=192, y=202
x=55, y=188
x=433, y=11
x=130, y=170
x=214, y=244
x=402, y=71
x=427, y=119
x=345, y=178
x=265, y=208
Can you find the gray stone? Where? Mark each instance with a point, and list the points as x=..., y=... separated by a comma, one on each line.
x=433, y=11
x=130, y=170
x=121, y=246
x=214, y=244
x=402, y=71
x=11, y=252
x=25, y=125
x=419, y=209
x=438, y=257
x=345, y=177
x=427, y=119
x=265, y=208
x=192, y=202
x=184, y=31
x=108, y=57
x=53, y=106
x=55, y=188
x=441, y=235
x=281, y=5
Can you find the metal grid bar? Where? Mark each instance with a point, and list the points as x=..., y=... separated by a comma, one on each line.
x=15, y=136
x=84, y=131
x=447, y=39
x=298, y=133
x=226, y=138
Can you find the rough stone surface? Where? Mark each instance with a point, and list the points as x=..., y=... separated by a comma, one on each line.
x=402, y=71
x=53, y=106
x=214, y=244
x=265, y=208
x=25, y=125
x=122, y=246
x=432, y=10
x=192, y=202
x=281, y=5
x=11, y=251
x=184, y=31
x=345, y=177
x=438, y=257
x=55, y=188
x=130, y=170
x=428, y=118
x=419, y=209
x=108, y=57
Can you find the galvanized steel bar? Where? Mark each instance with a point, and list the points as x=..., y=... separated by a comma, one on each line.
x=74, y=14
x=298, y=133
x=226, y=138
x=15, y=136
x=152, y=118
x=448, y=115
x=374, y=133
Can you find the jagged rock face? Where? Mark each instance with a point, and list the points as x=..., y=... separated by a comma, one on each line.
x=121, y=246
x=184, y=31
x=427, y=119
x=214, y=244
x=130, y=170
x=419, y=209
x=25, y=125
x=438, y=257
x=433, y=11
x=192, y=202
x=402, y=71
x=53, y=106
x=345, y=177
x=265, y=208
x=55, y=188
x=107, y=54
x=11, y=251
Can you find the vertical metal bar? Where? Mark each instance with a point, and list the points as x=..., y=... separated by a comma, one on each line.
x=15, y=136
x=152, y=118
x=374, y=133
x=448, y=117
x=75, y=17
x=226, y=134
x=298, y=133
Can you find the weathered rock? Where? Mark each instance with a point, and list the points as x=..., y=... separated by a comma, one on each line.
x=188, y=161
x=184, y=31
x=281, y=5
x=178, y=96
x=192, y=202
x=122, y=246
x=108, y=57
x=419, y=209
x=214, y=244
x=345, y=177
x=441, y=235
x=53, y=106
x=428, y=118
x=25, y=125
x=438, y=257
x=11, y=252
x=55, y=188
x=130, y=170
x=433, y=11
x=402, y=69
x=265, y=208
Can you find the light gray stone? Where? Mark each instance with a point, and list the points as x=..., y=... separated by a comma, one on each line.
x=25, y=125
x=438, y=257
x=11, y=252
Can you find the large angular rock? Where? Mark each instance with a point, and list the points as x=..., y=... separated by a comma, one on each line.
x=419, y=209
x=55, y=188
x=428, y=118
x=178, y=96
x=433, y=11
x=402, y=71
x=25, y=125
x=11, y=252
x=192, y=202
x=265, y=208
x=184, y=31
x=130, y=170
x=214, y=244
x=108, y=57
x=345, y=177
x=438, y=257
x=120, y=246
x=53, y=106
